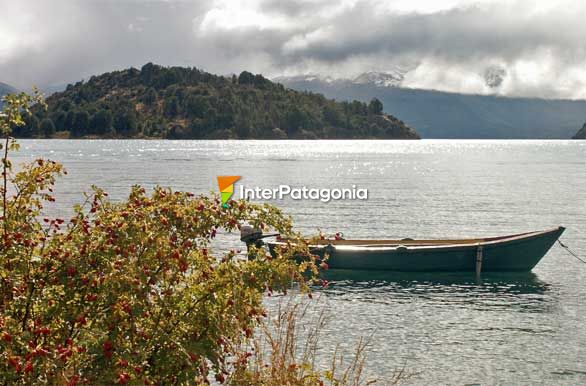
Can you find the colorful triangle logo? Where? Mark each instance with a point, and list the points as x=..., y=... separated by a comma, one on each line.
x=226, y=184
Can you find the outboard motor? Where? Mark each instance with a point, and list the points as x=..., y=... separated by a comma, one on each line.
x=250, y=235
x=253, y=236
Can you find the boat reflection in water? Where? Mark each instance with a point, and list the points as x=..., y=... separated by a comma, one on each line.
x=522, y=291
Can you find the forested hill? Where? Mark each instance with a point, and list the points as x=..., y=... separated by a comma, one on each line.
x=177, y=102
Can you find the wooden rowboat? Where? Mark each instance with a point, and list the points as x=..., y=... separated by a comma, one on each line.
x=512, y=253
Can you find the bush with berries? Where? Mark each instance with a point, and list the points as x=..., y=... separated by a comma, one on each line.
x=127, y=292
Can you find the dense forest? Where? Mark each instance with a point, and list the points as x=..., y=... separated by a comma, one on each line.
x=182, y=103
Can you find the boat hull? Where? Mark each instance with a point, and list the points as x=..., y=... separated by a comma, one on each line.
x=514, y=254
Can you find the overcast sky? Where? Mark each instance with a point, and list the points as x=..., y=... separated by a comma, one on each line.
x=517, y=48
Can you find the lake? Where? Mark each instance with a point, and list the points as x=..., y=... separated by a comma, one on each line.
x=450, y=328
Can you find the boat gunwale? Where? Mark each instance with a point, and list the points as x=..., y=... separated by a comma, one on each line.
x=410, y=245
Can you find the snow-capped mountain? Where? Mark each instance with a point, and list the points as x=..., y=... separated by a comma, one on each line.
x=381, y=79
x=392, y=78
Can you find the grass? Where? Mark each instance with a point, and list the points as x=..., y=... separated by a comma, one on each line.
x=285, y=350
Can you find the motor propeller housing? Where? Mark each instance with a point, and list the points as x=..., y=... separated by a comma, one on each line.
x=249, y=234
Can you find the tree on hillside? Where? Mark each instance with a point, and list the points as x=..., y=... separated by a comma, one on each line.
x=295, y=120
x=246, y=78
x=81, y=123
x=126, y=123
x=150, y=97
x=375, y=107
x=58, y=118
x=172, y=106
x=101, y=121
x=47, y=127
x=332, y=115
x=195, y=106
x=147, y=73
x=69, y=119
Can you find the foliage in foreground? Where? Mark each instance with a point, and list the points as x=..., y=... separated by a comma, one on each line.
x=126, y=292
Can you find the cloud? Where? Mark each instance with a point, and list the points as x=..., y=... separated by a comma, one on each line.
x=66, y=40
x=449, y=45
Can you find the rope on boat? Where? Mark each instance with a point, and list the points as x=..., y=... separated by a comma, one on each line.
x=479, y=259
x=570, y=251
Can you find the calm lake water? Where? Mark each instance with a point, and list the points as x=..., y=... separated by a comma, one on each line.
x=452, y=329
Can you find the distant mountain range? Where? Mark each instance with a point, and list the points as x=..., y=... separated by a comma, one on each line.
x=581, y=134
x=5, y=89
x=437, y=114
x=46, y=90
